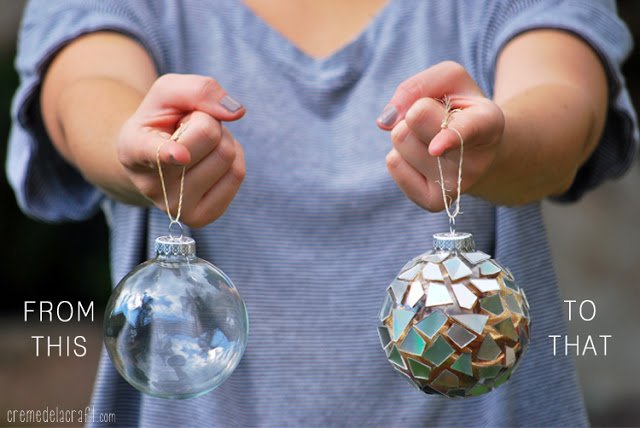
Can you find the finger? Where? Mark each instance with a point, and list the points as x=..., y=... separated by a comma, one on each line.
x=189, y=92
x=205, y=174
x=151, y=145
x=475, y=125
x=215, y=202
x=413, y=184
x=200, y=135
x=424, y=119
x=445, y=78
x=414, y=151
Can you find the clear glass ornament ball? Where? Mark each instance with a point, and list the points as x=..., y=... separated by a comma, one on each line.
x=176, y=326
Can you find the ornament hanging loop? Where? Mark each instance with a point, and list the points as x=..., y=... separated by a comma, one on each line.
x=449, y=111
x=175, y=229
x=173, y=221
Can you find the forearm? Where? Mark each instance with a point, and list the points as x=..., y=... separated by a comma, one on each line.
x=90, y=89
x=90, y=114
x=552, y=89
x=550, y=130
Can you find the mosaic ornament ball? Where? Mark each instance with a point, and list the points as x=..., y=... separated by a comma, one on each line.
x=454, y=322
x=176, y=326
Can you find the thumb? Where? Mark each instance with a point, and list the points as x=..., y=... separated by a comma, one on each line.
x=445, y=78
x=185, y=93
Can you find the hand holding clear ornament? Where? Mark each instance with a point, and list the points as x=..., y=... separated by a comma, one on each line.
x=176, y=326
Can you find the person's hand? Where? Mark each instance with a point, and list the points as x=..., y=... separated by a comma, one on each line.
x=214, y=160
x=414, y=115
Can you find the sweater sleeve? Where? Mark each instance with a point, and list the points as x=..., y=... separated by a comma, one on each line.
x=46, y=186
x=597, y=23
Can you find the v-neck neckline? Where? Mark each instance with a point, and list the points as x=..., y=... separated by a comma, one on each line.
x=260, y=34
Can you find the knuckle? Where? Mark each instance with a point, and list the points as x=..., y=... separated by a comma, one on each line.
x=205, y=214
x=472, y=130
x=196, y=220
x=453, y=67
x=124, y=150
x=207, y=87
x=165, y=80
x=399, y=134
x=408, y=88
x=238, y=172
x=393, y=160
x=209, y=130
x=418, y=113
x=148, y=188
x=124, y=157
x=226, y=153
x=429, y=205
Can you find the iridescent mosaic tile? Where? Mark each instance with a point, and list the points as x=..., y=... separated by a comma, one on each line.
x=437, y=294
x=412, y=344
x=431, y=324
x=410, y=274
x=401, y=319
x=398, y=288
x=478, y=389
x=463, y=364
x=438, y=352
x=489, y=350
x=456, y=269
x=512, y=304
x=411, y=263
x=431, y=272
x=485, y=285
x=396, y=358
x=476, y=257
x=383, y=334
x=502, y=378
x=509, y=356
x=386, y=308
x=446, y=380
x=438, y=257
x=460, y=335
x=414, y=294
x=489, y=269
x=466, y=299
x=492, y=304
x=489, y=372
x=507, y=329
x=509, y=283
x=418, y=369
x=474, y=322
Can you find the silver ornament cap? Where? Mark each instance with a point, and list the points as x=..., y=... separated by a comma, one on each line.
x=460, y=241
x=175, y=246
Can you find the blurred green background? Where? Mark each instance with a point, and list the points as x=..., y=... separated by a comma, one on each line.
x=594, y=243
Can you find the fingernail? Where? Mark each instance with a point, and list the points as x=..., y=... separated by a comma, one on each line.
x=388, y=115
x=173, y=160
x=230, y=104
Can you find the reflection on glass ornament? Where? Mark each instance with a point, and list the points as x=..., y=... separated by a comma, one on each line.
x=176, y=326
x=454, y=322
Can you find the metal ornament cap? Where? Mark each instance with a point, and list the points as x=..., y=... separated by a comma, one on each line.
x=175, y=246
x=460, y=241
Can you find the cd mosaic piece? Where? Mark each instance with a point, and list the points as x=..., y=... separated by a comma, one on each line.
x=454, y=322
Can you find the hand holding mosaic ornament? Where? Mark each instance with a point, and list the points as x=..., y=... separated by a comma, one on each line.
x=454, y=321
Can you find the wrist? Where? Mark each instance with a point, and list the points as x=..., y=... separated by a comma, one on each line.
x=90, y=113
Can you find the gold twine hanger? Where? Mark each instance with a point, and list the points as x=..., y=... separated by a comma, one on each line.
x=172, y=220
x=449, y=111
